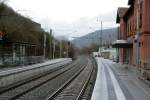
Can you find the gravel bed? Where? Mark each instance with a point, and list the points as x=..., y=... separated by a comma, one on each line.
x=32, y=84
x=42, y=92
x=88, y=91
x=73, y=90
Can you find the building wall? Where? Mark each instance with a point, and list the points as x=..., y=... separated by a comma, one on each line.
x=121, y=56
x=134, y=53
x=131, y=24
x=145, y=46
x=146, y=15
x=137, y=20
x=145, y=32
x=128, y=28
x=122, y=29
x=122, y=35
x=129, y=33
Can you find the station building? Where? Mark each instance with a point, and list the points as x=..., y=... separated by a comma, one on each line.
x=134, y=34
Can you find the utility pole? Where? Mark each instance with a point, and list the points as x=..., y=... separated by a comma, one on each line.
x=101, y=33
x=60, y=52
x=50, y=48
x=53, y=48
x=44, y=45
x=101, y=39
x=67, y=49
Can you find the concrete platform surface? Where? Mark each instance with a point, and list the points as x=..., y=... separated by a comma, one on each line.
x=115, y=82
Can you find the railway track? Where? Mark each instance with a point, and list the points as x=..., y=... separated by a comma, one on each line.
x=75, y=87
x=28, y=90
x=17, y=76
x=16, y=90
x=64, y=83
x=89, y=89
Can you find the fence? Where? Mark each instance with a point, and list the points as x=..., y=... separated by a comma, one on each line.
x=9, y=60
x=19, y=54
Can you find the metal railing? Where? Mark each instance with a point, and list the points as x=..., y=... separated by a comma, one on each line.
x=9, y=60
x=145, y=68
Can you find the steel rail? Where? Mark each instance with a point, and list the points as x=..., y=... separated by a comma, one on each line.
x=52, y=96
x=15, y=85
x=85, y=84
x=20, y=94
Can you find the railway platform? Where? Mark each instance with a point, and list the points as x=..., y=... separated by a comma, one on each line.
x=12, y=76
x=115, y=82
x=46, y=62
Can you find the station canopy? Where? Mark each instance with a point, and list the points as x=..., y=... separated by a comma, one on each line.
x=122, y=44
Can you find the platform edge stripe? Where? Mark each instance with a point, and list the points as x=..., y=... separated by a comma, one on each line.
x=118, y=90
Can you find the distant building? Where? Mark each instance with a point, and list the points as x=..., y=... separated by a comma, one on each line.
x=95, y=54
x=134, y=35
x=108, y=53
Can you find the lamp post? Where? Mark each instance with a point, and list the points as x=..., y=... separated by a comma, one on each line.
x=101, y=35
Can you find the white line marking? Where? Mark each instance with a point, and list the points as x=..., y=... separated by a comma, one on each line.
x=104, y=93
x=100, y=91
x=118, y=90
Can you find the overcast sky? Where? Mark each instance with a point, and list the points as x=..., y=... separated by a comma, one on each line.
x=70, y=17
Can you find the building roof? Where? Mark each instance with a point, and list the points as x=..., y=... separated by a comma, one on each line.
x=129, y=11
x=130, y=2
x=120, y=13
x=122, y=44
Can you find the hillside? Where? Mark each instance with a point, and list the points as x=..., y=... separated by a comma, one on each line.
x=18, y=28
x=108, y=35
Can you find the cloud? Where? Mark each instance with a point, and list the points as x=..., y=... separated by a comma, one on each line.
x=67, y=16
x=80, y=27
